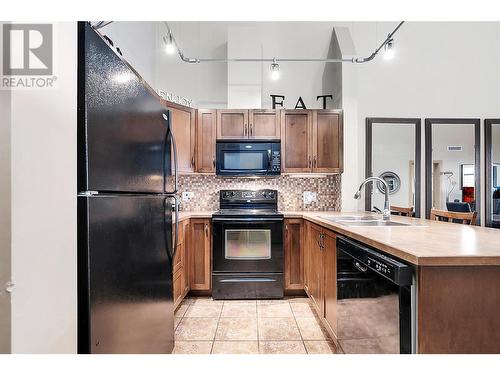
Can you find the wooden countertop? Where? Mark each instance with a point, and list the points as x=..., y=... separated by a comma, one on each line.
x=429, y=243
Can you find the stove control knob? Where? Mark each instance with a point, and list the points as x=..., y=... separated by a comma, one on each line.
x=233, y=193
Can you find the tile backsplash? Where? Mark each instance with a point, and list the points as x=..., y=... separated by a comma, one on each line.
x=290, y=189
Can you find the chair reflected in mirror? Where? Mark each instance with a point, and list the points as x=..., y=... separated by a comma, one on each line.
x=454, y=217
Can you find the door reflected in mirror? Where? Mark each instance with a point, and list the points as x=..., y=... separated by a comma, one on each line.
x=452, y=180
x=494, y=173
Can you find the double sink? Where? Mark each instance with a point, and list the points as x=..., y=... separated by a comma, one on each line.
x=365, y=221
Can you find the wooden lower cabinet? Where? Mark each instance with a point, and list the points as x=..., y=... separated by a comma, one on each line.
x=330, y=281
x=200, y=255
x=294, y=255
x=180, y=267
x=320, y=273
x=315, y=269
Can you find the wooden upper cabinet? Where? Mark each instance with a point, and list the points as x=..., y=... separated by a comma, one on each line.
x=294, y=255
x=232, y=123
x=263, y=124
x=327, y=140
x=184, y=129
x=205, y=140
x=296, y=132
x=330, y=277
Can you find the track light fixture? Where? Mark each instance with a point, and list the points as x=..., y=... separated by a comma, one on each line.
x=389, y=49
x=169, y=44
x=275, y=70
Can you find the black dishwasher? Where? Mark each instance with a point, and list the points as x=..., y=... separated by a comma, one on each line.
x=374, y=293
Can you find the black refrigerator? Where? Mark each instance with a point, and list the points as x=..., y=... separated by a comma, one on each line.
x=127, y=178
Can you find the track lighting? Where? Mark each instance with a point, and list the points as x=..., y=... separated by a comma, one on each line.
x=275, y=70
x=169, y=44
x=389, y=49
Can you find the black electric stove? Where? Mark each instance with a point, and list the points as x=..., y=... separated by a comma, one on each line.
x=247, y=245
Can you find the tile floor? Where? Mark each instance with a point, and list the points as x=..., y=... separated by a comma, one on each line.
x=290, y=326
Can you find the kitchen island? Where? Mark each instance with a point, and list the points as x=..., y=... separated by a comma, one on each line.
x=457, y=273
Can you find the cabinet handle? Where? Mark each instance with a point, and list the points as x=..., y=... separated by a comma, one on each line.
x=310, y=162
x=192, y=161
x=315, y=163
x=213, y=162
x=251, y=130
x=245, y=129
x=206, y=229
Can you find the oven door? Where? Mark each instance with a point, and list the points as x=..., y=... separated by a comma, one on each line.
x=243, y=158
x=247, y=244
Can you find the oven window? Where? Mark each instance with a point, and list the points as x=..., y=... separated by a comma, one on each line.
x=243, y=160
x=248, y=244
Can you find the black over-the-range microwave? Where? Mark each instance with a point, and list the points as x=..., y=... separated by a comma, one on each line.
x=248, y=158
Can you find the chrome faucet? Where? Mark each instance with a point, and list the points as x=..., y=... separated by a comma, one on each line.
x=386, y=213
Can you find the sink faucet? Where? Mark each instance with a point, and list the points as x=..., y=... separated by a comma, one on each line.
x=386, y=213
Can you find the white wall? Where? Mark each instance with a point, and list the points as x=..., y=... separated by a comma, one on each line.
x=205, y=84
x=440, y=70
x=44, y=252
x=137, y=42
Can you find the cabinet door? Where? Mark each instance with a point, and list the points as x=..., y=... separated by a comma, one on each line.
x=307, y=257
x=178, y=287
x=294, y=254
x=330, y=269
x=200, y=254
x=184, y=128
x=264, y=124
x=316, y=271
x=232, y=123
x=205, y=142
x=327, y=141
x=296, y=131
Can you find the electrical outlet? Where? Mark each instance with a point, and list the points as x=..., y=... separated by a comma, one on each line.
x=187, y=196
x=308, y=197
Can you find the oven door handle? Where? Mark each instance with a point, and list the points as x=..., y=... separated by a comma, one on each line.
x=248, y=280
x=246, y=220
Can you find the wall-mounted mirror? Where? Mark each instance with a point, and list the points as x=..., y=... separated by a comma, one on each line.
x=492, y=163
x=393, y=153
x=452, y=164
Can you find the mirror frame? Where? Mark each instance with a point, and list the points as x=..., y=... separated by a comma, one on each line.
x=428, y=158
x=369, y=121
x=488, y=153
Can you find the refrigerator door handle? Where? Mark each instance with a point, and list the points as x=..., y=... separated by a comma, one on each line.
x=171, y=253
x=174, y=145
x=176, y=237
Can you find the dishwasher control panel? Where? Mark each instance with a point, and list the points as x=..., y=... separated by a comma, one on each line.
x=381, y=267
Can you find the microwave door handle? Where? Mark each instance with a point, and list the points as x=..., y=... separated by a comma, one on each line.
x=269, y=159
x=174, y=145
